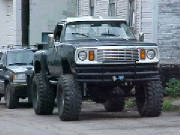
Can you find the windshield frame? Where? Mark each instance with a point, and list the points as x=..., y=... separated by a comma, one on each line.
x=95, y=38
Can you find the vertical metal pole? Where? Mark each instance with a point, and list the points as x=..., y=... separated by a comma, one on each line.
x=25, y=22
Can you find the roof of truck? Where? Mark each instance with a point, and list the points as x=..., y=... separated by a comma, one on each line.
x=93, y=18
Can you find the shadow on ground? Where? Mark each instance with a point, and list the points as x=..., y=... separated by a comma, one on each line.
x=20, y=105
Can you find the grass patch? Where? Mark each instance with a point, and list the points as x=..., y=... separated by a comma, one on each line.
x=172, y=88
x=168, y=106
x=131, y=102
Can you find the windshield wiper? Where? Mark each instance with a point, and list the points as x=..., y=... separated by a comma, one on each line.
x=17, y=64
x=82, y=34
x=109, y=34
x=127, y=39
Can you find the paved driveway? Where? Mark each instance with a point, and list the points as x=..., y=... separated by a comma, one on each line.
x=93, y=121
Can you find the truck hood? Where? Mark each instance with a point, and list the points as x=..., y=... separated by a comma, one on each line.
x=20, y=69
x=110, y=43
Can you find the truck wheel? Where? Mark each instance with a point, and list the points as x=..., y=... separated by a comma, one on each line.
x=29, y=91
x=43, y=95
x=10, y=97
x=115, y=104
x=149, y=99
x=69, y=98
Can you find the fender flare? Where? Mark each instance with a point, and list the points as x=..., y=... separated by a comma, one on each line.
x=40, y=62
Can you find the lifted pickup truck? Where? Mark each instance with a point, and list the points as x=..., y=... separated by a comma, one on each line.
x=99, y=59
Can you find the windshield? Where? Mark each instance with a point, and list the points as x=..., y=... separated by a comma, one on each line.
x=24, y=57
x=98, y=30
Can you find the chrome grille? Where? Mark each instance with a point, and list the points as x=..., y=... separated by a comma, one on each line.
x=121, y=56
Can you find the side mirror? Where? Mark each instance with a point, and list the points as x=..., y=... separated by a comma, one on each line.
x=141, y=37
x=1, y=66
x=50, y=40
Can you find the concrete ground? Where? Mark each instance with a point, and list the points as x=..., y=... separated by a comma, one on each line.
x=93, y=121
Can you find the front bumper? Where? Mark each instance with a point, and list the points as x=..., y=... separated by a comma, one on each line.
x=122, y=73
x=21, y=89
x=18, y=85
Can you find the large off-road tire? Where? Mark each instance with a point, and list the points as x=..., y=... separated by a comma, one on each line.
x=43, y=95
x=115, y=104
x=10, y=97
x=69, y=97
x=149, y=99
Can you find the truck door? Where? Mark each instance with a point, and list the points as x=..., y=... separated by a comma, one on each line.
x=54, y=53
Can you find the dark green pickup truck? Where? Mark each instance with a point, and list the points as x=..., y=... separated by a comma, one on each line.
x=99, y=59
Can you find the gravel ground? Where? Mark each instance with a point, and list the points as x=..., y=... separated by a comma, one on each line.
x=93, y=121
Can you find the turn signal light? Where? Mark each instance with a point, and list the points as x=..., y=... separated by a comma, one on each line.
x=13, y=77
x=91, y=55
x=143, y=54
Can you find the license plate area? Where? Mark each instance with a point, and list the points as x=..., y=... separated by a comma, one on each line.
x=118, y=78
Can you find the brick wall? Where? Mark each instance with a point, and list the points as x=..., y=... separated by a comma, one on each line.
x=6, y=22
x=122, y=8
x=10, y=22
x=169, y=31
x=101, y=7
x=83, y=6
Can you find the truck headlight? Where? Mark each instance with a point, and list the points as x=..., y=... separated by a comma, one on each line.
x=82, y=55
x=151, y=54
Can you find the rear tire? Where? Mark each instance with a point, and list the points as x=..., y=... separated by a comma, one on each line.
x=69, y=98
x=115, y=104
x=29, y=91
x=10, y=97
x=149, y=99
x=43, y=95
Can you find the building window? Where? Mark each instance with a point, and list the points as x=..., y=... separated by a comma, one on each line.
x=45, y=37
x=78, y=7
x=131, y=12
x=112, y=8
x=91, y=5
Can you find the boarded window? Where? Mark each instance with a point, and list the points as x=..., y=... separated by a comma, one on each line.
x=91, y=5
x=45, y=37
x=78, y=7
x=112, y=8
x=131, y=12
